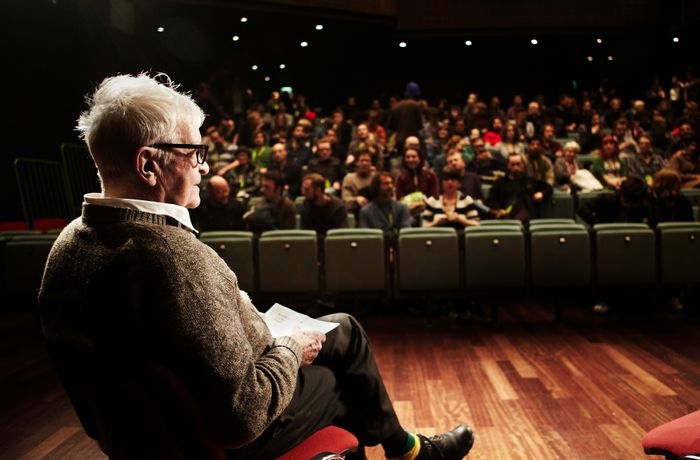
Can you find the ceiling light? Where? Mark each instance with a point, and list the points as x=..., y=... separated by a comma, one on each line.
x=235, y=38
x=676, y=39
x=282, y=66
x=402, y=45
x=244, y=19
x=304, y=44
x=254, y=67
x=267, y=78
x=534, y=41
x=599, y=40
x=468, y=43
x=319, y=27
x=160, y=29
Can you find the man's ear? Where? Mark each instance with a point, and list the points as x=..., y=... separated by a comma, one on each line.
x=146, y=165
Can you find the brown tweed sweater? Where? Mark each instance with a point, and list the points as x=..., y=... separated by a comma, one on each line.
x=137, y=284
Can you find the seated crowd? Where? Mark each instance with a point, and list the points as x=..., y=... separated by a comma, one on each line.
x=380, y=168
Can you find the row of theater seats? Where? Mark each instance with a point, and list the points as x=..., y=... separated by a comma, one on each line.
x=496, y=257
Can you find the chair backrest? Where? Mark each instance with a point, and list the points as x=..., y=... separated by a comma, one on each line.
x=355, y=260
x=288, y=261
x=494, y=256
x=24, y=258
x=428, y=259
x=80, y=173
x=625, y=254
x=236, y=248
x=42, y=190
x=679, y=252
x=559, y=204
x=560, y=255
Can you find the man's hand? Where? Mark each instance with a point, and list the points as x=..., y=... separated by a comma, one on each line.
x=310, y=342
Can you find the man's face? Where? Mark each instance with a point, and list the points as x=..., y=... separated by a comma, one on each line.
x=644, y=145
x=279, y=152
x=178, y=179
x=363, y=165
x=307, y=189
x=220, y=193
x=534, y=148
x=516, y=167
x=456, y=161
x=324, y=150
x=268, y=190
x=386, y=187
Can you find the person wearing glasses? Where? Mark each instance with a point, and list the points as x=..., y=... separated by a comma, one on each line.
x=129, y=281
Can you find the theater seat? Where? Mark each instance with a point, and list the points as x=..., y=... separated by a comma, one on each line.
x=675, y=440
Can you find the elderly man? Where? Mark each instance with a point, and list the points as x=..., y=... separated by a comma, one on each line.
x=128, y=281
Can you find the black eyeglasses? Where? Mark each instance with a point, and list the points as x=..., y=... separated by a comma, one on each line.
x=199, y=149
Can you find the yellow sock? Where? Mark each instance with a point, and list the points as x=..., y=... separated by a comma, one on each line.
x=412, y=453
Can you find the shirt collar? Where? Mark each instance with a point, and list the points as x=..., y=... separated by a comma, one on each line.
x=179, y=213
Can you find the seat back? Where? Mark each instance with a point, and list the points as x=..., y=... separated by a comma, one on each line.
x=80, y=174
x=494, y=256
x=236, y=248
x=355, y=260
x=560, y=255
x=428, y=259
x=288, y=261
x=625, y=254
x=679, y=252
x=42, y=190
x=24, y=258
x=559, y=205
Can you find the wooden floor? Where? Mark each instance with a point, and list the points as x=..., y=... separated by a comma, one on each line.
x=585, y=387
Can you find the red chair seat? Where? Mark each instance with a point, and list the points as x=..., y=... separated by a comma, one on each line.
x=328, y=440
x=675, y=438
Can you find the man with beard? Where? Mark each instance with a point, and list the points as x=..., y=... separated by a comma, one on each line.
x=355, y=190
x=384, y=211
x=517, y=195
x=537, y=165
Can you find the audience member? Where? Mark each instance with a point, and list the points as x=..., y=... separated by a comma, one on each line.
x=218, y=211
x=260, y=152
x=291, y=172
x=275, y=211
x=325, y=164
x=537, y=164
x=607, y=166
x=645, y=163
x=451, y=208
x=469, y=182
x=355, y=191
x=406, y=117
x=321, y=211
x=517, y=195
x=241, y=175
x=628, y=204
x=566, y=167
x=384, y=211
x=686, y=162
x=667, y=201
x=166, y=297
x=416, y=181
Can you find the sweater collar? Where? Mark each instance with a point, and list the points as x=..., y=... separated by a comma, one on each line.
x=178, y=213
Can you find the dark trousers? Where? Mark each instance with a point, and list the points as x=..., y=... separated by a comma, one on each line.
x=342, y=387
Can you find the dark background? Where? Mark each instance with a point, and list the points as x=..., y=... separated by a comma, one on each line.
x=56, y=51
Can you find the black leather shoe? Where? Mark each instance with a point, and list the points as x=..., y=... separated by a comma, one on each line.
x=453, y=445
